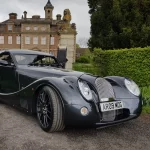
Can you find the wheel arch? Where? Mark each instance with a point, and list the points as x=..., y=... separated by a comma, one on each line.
x=34, y=101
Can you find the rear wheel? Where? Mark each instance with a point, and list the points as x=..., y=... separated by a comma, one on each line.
x=49, y=110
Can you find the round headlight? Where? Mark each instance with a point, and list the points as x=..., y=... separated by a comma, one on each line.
x=85, y=90
x=132, y=87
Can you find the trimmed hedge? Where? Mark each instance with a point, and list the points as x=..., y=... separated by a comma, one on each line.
x=89, y=68
x=133, y=63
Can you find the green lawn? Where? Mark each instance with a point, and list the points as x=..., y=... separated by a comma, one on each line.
x=146, y=99
x=89, y=68
x=146, y=109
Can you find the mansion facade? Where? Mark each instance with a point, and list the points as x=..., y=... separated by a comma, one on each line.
x=40, y=34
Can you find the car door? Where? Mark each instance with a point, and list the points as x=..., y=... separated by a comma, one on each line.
x=8, y=76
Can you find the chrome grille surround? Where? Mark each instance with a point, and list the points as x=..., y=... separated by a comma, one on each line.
x=104, y=88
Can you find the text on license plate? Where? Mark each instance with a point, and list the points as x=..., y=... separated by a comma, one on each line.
x=111, y=106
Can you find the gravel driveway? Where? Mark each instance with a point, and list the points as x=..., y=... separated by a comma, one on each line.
x=19, y=131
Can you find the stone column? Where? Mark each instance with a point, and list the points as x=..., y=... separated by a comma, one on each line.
x=68, y=41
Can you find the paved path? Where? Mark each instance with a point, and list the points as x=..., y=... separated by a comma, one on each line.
x=21, y=132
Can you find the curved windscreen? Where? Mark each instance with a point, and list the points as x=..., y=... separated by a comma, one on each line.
x=27, y=59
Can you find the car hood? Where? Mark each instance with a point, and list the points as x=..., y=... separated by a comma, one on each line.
x=39, y=72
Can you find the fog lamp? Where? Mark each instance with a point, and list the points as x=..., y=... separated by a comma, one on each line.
x=84, y=111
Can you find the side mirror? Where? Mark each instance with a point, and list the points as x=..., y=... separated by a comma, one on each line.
x=4, y=63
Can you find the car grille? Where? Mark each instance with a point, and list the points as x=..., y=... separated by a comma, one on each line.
x=115, y=115
x=104, y=88
x=109, y=115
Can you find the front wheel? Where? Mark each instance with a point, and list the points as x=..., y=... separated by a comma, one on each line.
x=49, y=110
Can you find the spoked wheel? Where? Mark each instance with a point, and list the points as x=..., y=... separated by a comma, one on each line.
x=49, y=110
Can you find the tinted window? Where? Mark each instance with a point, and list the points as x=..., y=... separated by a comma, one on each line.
x=23, y=59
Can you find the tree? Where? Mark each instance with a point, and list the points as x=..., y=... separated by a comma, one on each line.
x=77, y=46
x=119, y=23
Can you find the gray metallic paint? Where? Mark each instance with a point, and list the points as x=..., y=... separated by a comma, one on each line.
x=29, y=79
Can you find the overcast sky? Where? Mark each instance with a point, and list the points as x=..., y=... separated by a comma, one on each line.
x=79, y=11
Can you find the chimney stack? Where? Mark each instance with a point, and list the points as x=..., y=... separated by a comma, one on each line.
x=25, y=14
x=58, y=17
x=13, y=16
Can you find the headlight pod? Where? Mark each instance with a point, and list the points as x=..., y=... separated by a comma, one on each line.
x=132, y=87
x=85, y=90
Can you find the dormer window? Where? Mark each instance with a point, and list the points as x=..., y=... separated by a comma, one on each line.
x=9, y=27
x=49, y=11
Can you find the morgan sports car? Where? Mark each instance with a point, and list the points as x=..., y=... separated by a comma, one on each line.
x=36, y=83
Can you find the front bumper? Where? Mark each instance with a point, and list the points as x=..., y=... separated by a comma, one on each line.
x=73, y=117
x=107, y=124
x=131, y=103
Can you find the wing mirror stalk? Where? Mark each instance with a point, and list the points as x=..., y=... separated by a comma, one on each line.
x=6, y=63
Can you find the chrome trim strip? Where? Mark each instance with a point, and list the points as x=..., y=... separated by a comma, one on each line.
x=6, y=94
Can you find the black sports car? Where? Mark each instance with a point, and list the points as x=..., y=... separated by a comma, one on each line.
x=36, y=83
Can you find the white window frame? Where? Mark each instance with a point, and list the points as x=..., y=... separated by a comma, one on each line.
x=43, y=28
x=52, y=40
x=35, y=28
x=35, y=40
x=27, y=28
x=18, y=40
x=27, y=40
x=9, y=27
x=43, y=40
x=9, y=39
x=1, y=39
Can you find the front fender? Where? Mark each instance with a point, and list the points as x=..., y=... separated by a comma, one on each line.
x=131, y=102
x=66, y=87
x=119, y=87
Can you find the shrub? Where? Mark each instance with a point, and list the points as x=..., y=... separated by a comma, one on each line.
x=133, y=63
x=83, y=59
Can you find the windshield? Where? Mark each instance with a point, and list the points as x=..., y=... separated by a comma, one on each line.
x=37, y=60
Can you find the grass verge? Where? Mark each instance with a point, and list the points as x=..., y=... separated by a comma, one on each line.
x=146, y=110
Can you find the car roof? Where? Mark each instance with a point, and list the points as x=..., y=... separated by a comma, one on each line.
x=23, y=51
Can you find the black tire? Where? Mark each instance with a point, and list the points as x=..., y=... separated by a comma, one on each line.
x=49, y=110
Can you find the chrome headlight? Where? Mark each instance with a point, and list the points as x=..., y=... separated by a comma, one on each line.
x=85, y=90
x=132, y=87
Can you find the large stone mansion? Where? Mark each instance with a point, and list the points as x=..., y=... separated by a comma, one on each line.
x=42, y=34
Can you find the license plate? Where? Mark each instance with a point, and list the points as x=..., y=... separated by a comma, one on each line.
x=111, y=106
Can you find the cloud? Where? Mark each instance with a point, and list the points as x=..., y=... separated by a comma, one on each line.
x=79, y=11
